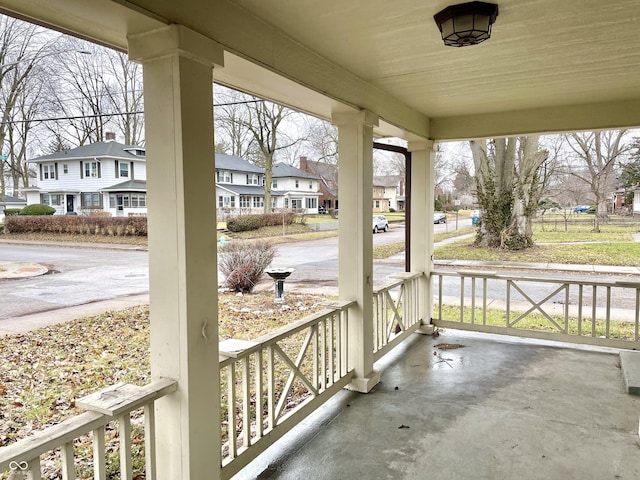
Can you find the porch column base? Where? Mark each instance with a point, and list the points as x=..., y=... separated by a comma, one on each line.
x=426, y=329
x=364, y=384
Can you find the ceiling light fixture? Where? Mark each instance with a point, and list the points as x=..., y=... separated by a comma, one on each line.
x=466, y=23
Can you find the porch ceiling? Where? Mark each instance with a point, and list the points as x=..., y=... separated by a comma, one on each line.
x=549, y=66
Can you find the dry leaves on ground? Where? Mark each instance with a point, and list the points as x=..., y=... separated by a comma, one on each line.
x=44, y=371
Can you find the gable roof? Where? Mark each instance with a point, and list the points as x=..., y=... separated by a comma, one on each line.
x=281, y=170
x=233, y=162
x=110, y=149
x=9, y=200
x=387, y=180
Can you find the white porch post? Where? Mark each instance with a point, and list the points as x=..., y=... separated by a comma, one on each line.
x=422, y=197
x=355, y=282
x=182, y=246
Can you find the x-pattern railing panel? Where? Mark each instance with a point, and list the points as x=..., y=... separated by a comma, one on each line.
x=596, y=311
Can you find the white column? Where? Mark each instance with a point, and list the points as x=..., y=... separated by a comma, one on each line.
x=355, y=193
x=178, y=85
x=422, y=198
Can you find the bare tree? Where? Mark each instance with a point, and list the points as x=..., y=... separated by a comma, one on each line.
x=22, y=47
x=594, y=161
x=265, y=125
x=126, y=96
x=509, y=187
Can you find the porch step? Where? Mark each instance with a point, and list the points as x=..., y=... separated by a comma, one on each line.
x=630, y=365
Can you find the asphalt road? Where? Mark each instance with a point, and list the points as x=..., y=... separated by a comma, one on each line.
x=77, y=276
x=84, y=275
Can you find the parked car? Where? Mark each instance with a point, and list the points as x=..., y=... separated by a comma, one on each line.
x=380, y=223
x=322, y=210
x=581, y=209
x=439, y=217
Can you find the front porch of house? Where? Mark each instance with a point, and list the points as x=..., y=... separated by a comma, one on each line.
x=498, y=407
x=490, y=408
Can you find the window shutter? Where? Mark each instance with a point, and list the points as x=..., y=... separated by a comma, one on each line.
x=40, y=171
x=117, y=169
x=231, y=175
x=56, y=170
x=247, y=179
x=131, y=172
x=99, y=176
x=81, y=170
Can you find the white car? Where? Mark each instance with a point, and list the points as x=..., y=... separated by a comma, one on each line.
x=380, y=223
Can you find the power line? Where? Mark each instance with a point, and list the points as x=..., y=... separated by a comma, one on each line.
x=116, y=114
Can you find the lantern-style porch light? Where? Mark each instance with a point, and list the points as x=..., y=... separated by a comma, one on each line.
x=466, y=23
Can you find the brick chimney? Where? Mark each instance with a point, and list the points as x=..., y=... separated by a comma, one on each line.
x=110, y=136
x=304, y=166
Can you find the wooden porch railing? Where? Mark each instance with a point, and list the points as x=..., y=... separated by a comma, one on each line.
x=115, y=403
x=563, y=308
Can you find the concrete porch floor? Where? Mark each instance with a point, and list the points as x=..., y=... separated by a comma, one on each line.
x=497, y=408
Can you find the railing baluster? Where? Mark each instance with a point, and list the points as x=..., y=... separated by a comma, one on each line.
x=508, y=303
x=231, y=410
x=332, y=362
x=580, y=295
x=637, y=315
x=473, y=300
x=323, y=355
x=594, y=304
x=246, y=401
x=150, y=441
x=338, y=319
x=67, y=461
x=484, y=301
x=608, y=314
x=124, y=430
x=35, y=472
x=462, y=299
x=99, y=467
x=271, y=390
x=259, y=388
x=566, y=308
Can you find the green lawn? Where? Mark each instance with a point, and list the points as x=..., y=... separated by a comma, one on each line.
x=613, y=246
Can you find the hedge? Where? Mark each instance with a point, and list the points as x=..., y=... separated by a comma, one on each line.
x=243, y=223
x=11, y=211
x=78, y=225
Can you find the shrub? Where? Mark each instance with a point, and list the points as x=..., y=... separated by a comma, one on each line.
x=78, y=225
x=243, y=263
x=11, y=211
x=244, y=223
x=37, y=209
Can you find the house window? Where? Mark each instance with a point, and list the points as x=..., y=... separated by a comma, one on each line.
x=310, y=185
x=91, y=200
x=296, y=203
x=225, y=176
x=274, y=203
x=245, y=201
x=297, y=184
x=65, y=168
x=123, y=169
x=225, y=201
x=51, y=199
x=253, y=179
x=48, y=172
x=142, y=200
x=376, y=204
x=258, y=202
x=91, y=169
x=311, y=203
x=274, y=183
